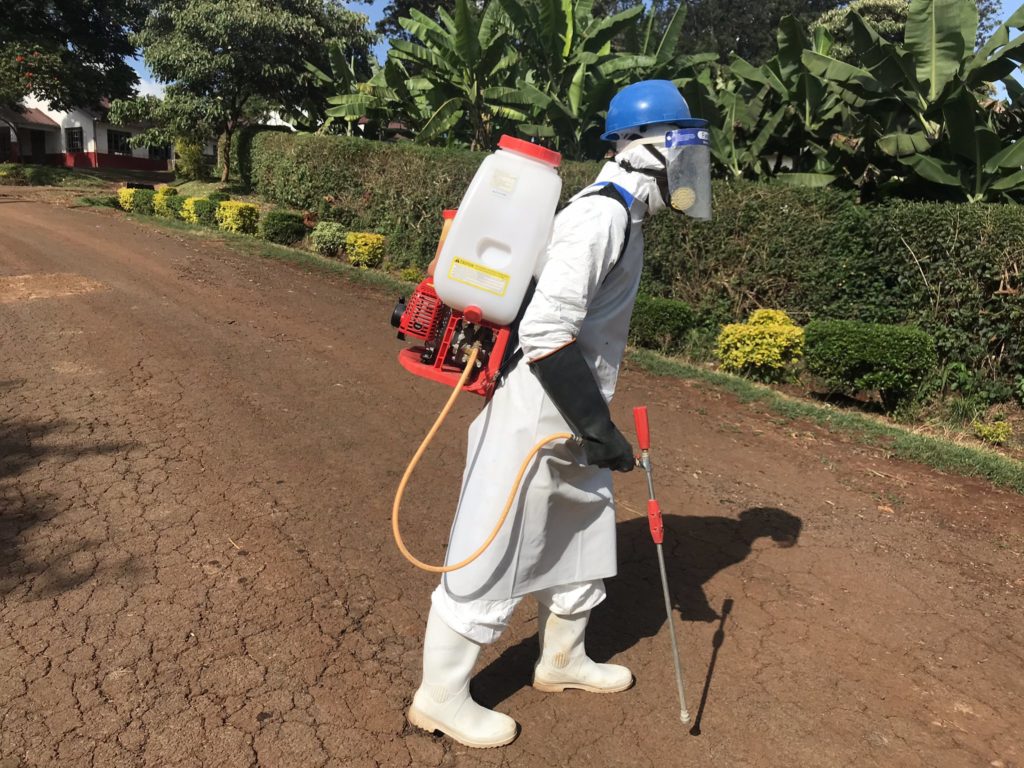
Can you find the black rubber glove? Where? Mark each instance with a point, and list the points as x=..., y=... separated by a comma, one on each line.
x=567, y=379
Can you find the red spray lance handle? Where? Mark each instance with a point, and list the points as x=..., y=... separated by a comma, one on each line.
x=654, y=521
x=643, y=437
x=643, y=429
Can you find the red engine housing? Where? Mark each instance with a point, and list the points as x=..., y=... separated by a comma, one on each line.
x=447, y=337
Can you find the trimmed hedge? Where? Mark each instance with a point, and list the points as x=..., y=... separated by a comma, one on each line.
x=136, y=200
x=895, y=360
x=199, y=210
x=167, y=203
x=767, y=346
x=282, y=227
x=234, y=216
x=955, y=270
x=661, y=324
x=364, y=249
x=328, y=238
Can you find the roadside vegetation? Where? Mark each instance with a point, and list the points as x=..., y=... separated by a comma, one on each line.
x=20, y=174
x=866, y=250
x=933, y=440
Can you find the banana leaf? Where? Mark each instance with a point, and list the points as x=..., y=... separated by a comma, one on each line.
x=938, y=34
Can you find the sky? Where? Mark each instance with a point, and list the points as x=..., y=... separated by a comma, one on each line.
x=148, y=85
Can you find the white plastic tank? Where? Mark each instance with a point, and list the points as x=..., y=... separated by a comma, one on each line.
x=502, y=226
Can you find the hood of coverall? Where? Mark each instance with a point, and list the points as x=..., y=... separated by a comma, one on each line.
x=633, y=152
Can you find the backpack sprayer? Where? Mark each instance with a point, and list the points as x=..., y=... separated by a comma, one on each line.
x=462, y=315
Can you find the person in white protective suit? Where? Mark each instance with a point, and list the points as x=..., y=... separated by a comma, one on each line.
x=559, y=543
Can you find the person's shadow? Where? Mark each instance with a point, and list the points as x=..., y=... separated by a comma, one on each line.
x=696, y=548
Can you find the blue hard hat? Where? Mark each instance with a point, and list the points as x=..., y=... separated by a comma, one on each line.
x=646, y=103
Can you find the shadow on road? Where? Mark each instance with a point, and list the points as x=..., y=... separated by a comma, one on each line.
x=27, y=505
x=696, y=548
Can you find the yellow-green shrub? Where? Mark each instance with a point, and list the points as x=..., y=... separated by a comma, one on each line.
x=166, y=203
x=364, y=249
x=136, y=200
x=769, y=317
x=764, y=347
x=235, y=216
x=996, y=432
x=199, y=210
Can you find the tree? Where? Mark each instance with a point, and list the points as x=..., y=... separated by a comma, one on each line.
x=69, y=52
x=916, y=105
x=390, y=27
x=889, y=18
x=223, y=57
x=744, y=28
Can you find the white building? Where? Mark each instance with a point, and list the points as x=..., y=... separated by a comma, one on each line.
x=78, y=138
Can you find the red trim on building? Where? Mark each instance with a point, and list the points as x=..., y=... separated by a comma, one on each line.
x=106, y=160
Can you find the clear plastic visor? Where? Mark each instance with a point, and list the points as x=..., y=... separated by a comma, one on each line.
x=688, y=163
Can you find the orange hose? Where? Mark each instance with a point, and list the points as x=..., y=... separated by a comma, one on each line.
x=419, y=454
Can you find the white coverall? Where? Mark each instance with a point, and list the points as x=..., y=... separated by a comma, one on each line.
x=559, y=540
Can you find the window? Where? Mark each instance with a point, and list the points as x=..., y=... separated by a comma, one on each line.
x=73, y=140
x=117, y=143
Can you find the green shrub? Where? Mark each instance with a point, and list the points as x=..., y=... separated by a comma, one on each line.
x=12, y=173
x=284, y=227
x=364, y=249
x=994, y=432
x=189, y=162
x=235, y=216
x=240, y=162
x=199, y=210
x=766, y=347
x=895, y=360
x=661, y=324
x=167, y=203
x=328, y=238
x=136, y=200
x=953, y=270
x=218, y=197
x=411, y=274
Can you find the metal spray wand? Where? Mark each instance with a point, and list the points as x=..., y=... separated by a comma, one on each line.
x=654, y=521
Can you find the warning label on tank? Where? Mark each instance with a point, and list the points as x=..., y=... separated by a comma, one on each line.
x=503, y=184
x=478, y=276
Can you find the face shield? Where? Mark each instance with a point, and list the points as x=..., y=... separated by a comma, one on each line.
x=688, y=165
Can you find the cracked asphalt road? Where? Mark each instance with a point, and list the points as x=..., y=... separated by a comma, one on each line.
x=197, y=455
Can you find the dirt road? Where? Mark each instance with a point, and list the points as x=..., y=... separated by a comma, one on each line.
x=197, y=456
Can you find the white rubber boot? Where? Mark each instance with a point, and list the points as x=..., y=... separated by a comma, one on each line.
x=442, y=702
x=563, y=659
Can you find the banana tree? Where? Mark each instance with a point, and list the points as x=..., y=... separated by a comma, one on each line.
x=341, y=78
x=811, y=110
x=902, y=98
x=980, y=165
x=740, y=121
x=568, y=71
x=390, y=96
x=571, y=71
x=458, y=60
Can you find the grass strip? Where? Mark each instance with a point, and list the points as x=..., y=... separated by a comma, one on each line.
x=897, y=441
x=255, y=247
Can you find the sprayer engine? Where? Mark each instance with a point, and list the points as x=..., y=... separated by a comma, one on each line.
x=447, y=336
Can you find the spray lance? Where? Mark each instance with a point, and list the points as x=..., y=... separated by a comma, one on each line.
x=656, y=525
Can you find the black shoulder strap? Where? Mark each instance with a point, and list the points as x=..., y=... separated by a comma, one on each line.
x=620, y=195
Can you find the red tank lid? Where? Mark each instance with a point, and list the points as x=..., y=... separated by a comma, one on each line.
x=536, y=151
x=449, y=213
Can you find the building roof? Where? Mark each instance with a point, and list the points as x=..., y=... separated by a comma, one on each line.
x=30, y=117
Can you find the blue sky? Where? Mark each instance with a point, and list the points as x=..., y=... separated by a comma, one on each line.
x=374, y=10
